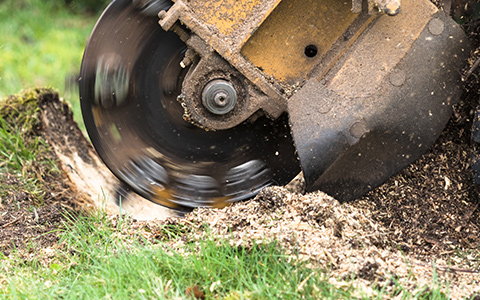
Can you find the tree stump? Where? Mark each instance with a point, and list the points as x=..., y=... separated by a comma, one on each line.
x=87, y=174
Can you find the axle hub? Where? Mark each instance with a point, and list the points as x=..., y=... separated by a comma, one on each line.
x=219, y=97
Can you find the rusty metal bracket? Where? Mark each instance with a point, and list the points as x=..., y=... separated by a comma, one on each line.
x=225, y=36
x=275, y=45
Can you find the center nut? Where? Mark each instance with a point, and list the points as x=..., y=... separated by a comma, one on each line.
x=219, y=97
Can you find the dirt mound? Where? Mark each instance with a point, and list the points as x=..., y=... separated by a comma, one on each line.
x=344, y=238
x=35, y=200
x=432, y=206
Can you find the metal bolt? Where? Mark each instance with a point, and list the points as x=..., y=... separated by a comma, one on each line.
x=390, y=7
x=219, y=97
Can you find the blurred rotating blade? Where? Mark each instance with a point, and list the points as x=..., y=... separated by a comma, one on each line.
x=130, y=80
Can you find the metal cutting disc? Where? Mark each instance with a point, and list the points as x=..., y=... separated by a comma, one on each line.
x=130, y=80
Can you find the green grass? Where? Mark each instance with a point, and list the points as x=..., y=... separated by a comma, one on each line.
x=15, y=154
x=100, y=258
x=41, y=44
x=24, y=156
x=18, y=157
x=95, y=264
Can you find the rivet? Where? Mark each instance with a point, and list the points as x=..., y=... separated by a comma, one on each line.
x=397, y=77
x=358, y=129
x=436, y=26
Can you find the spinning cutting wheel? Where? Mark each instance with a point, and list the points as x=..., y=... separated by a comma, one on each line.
x=193, y=103
x=130, y=80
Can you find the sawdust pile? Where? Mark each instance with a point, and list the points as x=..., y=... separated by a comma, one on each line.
x=318, y=229
x=424, y=220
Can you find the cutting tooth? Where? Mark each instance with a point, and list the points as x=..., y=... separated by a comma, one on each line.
x=163, y=197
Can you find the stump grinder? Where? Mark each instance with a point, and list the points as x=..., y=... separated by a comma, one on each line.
x=203, y=103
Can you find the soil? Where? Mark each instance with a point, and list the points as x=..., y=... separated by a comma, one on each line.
x=416, y=222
